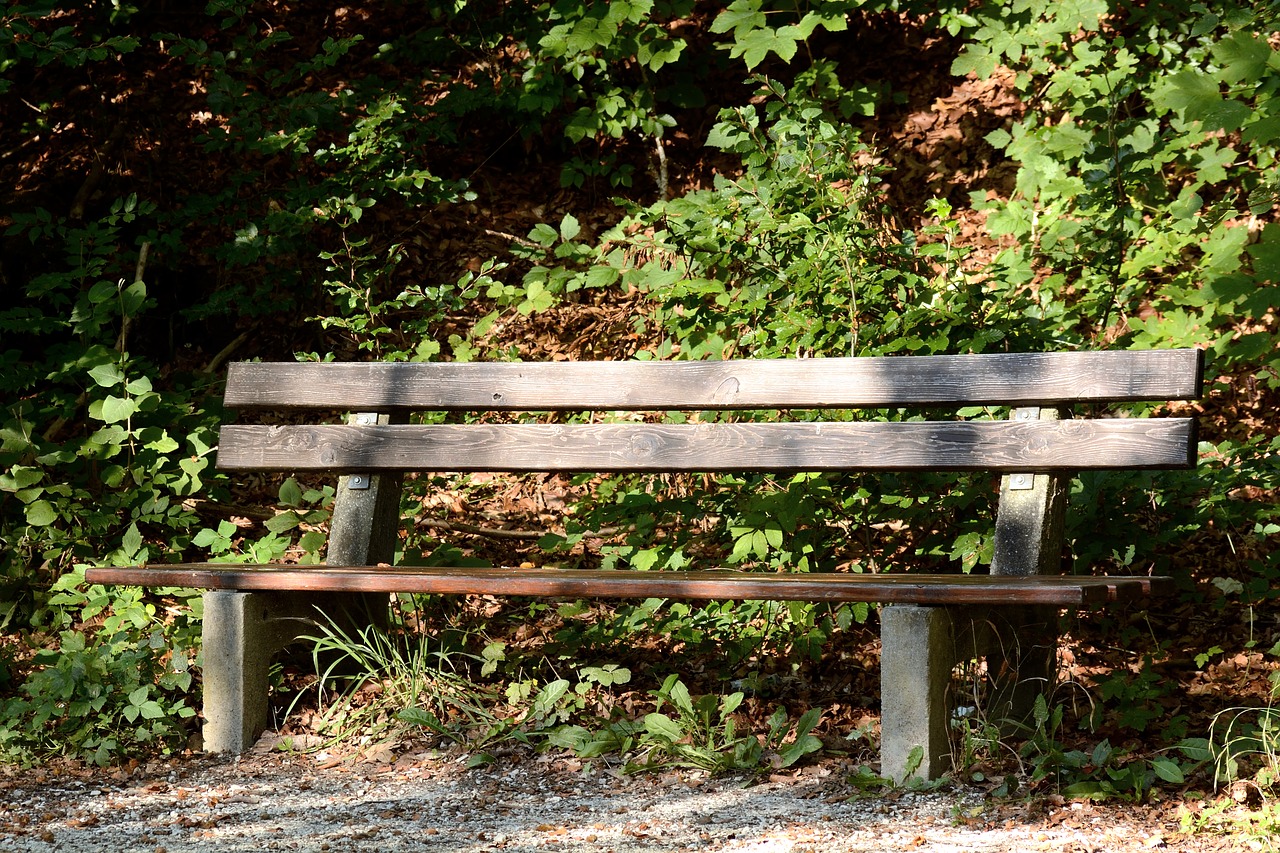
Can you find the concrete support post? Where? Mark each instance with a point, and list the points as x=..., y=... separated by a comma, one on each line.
x=1028, y=541
x=917, y=655
x=242, y=631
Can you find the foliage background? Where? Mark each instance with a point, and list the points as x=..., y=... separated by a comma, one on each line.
x=637, y=178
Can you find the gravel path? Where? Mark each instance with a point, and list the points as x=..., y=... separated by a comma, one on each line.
x=527, y=803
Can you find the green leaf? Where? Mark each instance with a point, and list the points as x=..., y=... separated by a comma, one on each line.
x=976, y=60
x=290, y=493
x=1243, y=56
x=543, y=234
x=662, y=726
x=421, y=717
x=116, y=409
x=106, y=375
x=41, y=514
x=569, y=227
x=756, y=45
x=205, y=537
x=998, y=138
x=131, y=542
x=741, y=16
x=1168, y=770
x=193, y=467
x=1196, y=96
x=132, y=297
x=1084, y=791
x=282, y=522
x=679, y=695
x=646, y=559
x=802, y=746
x=20, y=477
x=159, y=441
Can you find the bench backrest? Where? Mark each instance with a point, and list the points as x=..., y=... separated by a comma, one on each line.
x=1022, y=444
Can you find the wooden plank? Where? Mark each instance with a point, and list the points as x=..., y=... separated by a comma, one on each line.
x=983, y=379
x=703, y=585
x=809, y=446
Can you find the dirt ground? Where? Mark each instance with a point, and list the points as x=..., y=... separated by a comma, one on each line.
x=273, y=800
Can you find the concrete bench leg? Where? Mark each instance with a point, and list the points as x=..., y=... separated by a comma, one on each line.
x=917, y=655
x=242, y=632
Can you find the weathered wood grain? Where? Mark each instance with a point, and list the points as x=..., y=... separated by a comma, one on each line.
x=993, y=378
x=809, y=446
x=700, y=585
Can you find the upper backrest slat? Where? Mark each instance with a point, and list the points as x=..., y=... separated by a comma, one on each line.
x=985, y=379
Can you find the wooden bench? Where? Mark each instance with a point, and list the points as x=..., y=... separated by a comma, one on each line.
x=251, y=612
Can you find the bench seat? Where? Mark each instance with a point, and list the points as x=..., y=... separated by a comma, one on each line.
x=714, y=584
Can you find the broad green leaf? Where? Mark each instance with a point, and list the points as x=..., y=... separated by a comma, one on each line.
x=102, y=291
x=290, y=493
x=546, y=700
x=193, y=467
x=802, y=746
x=106, y=375
x=1243, y=56
x=1264, y=131
x=679, y=695
x=998, y=138
x=159, y=441
x=282, y=522
x=646, y=559
x=1197, y=749
x=1197, y=97
x=1073, y=15
x=662, y=726
x=756, y=45
x=116, y=409
x=569, y=227
x=976, y=60
x=20, y=477
x=421, y=717
x=40, y=514
x=741, y=16
x=206, y=537
x=659, y=52
x=543, y=234
x=1168, y=770
x=131, y=542
x=132, y=297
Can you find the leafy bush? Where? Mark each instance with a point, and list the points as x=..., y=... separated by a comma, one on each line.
x=1142, y=215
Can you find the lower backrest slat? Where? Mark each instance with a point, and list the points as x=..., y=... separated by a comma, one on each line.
x=807, y=446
